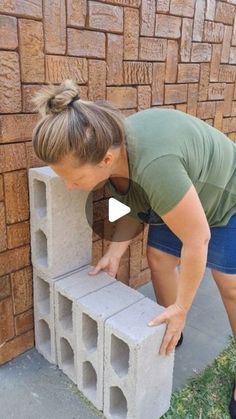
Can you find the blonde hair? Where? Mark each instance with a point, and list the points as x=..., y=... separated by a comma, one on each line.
x=84, y=128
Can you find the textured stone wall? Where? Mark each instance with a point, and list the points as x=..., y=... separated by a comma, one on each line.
x=173, y=53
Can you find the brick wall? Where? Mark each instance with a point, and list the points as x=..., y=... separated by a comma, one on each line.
x=174, y=53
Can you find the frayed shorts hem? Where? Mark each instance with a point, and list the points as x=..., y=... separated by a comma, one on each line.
x=231, y=271
x=164, y=248
x=209, y=265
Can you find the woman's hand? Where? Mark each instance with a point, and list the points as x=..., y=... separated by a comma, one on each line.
x=175, y=317
x=111, y=260
x=108, y=263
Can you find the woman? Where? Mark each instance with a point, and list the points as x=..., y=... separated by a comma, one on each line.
x=187, y=170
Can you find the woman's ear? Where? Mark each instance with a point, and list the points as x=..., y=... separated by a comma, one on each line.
x=108, y=158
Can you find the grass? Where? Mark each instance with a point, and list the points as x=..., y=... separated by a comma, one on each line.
x=207, y=395
x=86, y=401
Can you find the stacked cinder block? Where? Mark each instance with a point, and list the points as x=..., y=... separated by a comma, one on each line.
x=93, y=327
x=67, y=291
x=44, y=314
x=60, y=243
x=91, y=313
x=137, y=379
x=60, y=234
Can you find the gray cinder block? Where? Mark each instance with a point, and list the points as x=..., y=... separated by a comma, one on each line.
x=61, y=238
x=44, y=325
x=137, y=380
x=91, y=313
x=66, y=292
x=44, y=314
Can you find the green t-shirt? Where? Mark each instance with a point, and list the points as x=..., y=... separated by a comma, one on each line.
x=168, y=151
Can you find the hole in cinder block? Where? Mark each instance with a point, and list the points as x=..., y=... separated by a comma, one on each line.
x=119, y=356
x=89, y=379
x=44, y=337
x=43, y=296
x=41, y=248
x=40, y=202
x=118, y=403
x=90, y=332
x=65, y=311
x=67, y=356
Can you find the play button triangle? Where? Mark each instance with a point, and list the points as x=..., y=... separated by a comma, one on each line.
x=116, y=209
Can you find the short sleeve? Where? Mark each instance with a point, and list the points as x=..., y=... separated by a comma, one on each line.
x=165, y=181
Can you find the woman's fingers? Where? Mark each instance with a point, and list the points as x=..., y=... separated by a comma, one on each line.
x=95, y=270
x=169, y=342
x=107, y=264
x=165, y=342
x=175, y=317
x=172, y=344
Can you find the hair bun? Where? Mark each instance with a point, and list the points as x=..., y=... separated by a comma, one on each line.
x=77, y=97
x=55, y=99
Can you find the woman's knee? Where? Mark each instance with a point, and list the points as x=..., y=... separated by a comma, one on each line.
x=226, y=284
x=159, y=259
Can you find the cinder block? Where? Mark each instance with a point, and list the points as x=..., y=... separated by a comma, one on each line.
x=137, y=380
x=66, y=293
x=44, y=314
x=44, y=326
x=61, y=238
x=91, y=313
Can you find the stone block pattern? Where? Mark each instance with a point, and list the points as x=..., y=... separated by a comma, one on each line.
x=168, y=53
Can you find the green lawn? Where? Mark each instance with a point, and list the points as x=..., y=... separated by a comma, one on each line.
x=207, y=395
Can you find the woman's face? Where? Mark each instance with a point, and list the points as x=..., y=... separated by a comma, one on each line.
x=85, y=177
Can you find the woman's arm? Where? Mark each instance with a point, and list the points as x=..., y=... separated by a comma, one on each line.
x=126, y=229
x=188, y=221
x=192, y=267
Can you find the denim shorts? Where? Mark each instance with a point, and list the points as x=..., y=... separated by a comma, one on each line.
x=221, y=249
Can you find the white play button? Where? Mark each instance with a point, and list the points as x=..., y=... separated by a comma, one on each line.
x=116, y=209
x=103, y=215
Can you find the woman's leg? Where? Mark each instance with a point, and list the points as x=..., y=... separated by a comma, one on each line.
x=164, y=275
x=226, y=284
